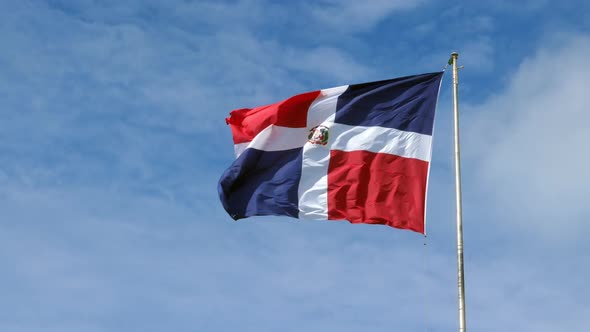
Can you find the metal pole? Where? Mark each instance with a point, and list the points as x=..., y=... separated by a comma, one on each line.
x=460, y=271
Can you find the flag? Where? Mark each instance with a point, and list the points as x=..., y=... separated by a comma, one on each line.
x=357, y=152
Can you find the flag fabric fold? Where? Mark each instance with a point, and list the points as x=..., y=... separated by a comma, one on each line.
x=358, y=152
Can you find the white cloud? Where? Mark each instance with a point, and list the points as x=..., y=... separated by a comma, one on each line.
x=328, y=62
x=351, y=15
x=530, y=142
x=519, y=7
x=478, y=55
x=526, y=291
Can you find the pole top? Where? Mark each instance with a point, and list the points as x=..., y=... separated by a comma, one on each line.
x=453, y=58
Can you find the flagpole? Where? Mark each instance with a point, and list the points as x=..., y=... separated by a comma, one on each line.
x=460, y=270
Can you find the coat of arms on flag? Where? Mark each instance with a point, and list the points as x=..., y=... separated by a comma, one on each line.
x=318, y=135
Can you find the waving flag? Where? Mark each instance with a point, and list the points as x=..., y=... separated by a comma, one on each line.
x=357, y=152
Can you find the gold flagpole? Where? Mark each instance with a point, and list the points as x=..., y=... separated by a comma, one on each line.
x=460, y=271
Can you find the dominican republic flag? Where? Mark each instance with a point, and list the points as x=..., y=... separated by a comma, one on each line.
x=358, y=152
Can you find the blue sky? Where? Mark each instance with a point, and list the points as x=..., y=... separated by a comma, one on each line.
x=113, y=137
